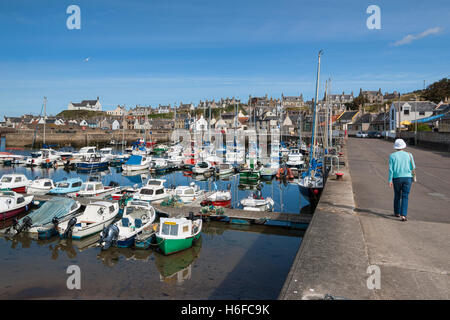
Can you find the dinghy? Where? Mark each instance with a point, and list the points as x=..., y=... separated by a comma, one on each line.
x=175, y=235
x=95, y=218
x=256, y=202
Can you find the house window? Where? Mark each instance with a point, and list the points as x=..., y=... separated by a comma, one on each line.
x=421, y=113
x=406, y=111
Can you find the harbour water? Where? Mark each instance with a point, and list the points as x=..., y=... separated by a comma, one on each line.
x=230, y=261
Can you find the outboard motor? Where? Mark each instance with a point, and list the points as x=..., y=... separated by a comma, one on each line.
x=55, y=222
x=191, y=216
x=109, y=236
x=70, y=225
x=26, y=224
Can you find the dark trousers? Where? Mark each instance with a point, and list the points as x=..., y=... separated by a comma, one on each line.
x=402, y=186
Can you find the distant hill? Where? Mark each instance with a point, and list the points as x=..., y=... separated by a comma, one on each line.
x=436, y=92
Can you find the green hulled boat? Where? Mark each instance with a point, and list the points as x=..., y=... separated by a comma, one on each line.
x=175, y=235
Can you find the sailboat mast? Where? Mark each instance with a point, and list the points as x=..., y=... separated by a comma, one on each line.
x=45, y=116
x=313, y=133
x=326, y=117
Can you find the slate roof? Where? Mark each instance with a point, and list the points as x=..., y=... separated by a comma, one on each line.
x=421, y=105
x=365, y=118
x=381, y=118
x=347, y=115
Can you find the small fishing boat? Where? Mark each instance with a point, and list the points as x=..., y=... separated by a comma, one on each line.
x=40, y=186
x=144, y=239
x=175, y=235
x=159, y=166
x=187, y=194
x=256, y=202
x=220, y=199
x=136, y=163
x=202, y=167
x=85, y=151
x=107, y=153
x=251, y=172
x=160, y=149
x=7, y=158
x=13, y=204
x=137, y=216
x=153, y=191
x=42, y=222
x=92, y=162
x=14, y=182
x=95, y=189
x=224, y=169
x=269, y=170
x=94, y=218
x=295, y=159
x=45, y=158
x=67, y=186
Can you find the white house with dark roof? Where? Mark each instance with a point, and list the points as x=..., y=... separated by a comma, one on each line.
x=402, y=112
x=89, y=105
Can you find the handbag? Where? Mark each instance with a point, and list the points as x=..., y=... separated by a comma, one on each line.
x=413, y=171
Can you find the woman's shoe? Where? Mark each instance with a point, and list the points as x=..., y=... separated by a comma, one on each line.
x=397, y=215
x=404, y=218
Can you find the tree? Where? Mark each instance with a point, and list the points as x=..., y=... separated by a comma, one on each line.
x=358, y=101
x=437, y=91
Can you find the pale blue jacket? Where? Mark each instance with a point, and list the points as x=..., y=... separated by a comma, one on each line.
x=401, y=164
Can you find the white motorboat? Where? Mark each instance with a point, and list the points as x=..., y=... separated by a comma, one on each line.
x=220, y=198
x=256, y=202
x=295, y=159
x=187, y=194
x=137, y=216
x=153, y=191
x=14, y=182
x=94, y=218
x=202, y=167
x=136, y=163
x=107, y=153
x=95, y=189
x=224, y=169
x=269, y=170
x=44, y=158
x=85, y=152
x=12, y=204
x=175, y=159
x=40, y=186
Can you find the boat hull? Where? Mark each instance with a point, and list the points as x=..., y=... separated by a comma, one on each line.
x=171, y=246
x=13, y=213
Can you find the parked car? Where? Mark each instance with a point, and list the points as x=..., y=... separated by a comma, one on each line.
x=374, y=134
x=361, y=134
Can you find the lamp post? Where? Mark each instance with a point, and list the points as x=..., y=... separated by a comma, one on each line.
x=415, y=122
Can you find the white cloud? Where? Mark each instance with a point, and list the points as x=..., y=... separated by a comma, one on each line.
x=412, y=37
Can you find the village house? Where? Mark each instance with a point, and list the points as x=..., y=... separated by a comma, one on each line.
x=292, y=101
x=119, y=111
x=164, y=109
x=403, y=113
x=115, y=125
x=380, y=123
x=345, y=119
x=372, y=96
x=362, y=123
x=89, y=105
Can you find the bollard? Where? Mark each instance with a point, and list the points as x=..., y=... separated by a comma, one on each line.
x=339, y=176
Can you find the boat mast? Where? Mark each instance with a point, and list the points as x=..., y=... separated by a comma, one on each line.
x=325, y=109
x=330, y=114
x=313, y=133
x=45, y=116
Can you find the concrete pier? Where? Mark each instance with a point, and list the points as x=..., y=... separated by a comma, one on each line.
x=355, y=248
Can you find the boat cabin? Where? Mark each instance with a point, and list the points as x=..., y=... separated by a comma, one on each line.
x=155, y=182
x=176, y=228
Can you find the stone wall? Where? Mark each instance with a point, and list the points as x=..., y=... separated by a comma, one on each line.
x=77, y=139
x=428, y=139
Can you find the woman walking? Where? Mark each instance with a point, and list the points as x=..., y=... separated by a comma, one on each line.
x=401, y=172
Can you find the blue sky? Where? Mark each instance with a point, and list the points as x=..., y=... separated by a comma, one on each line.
x=160, y=52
